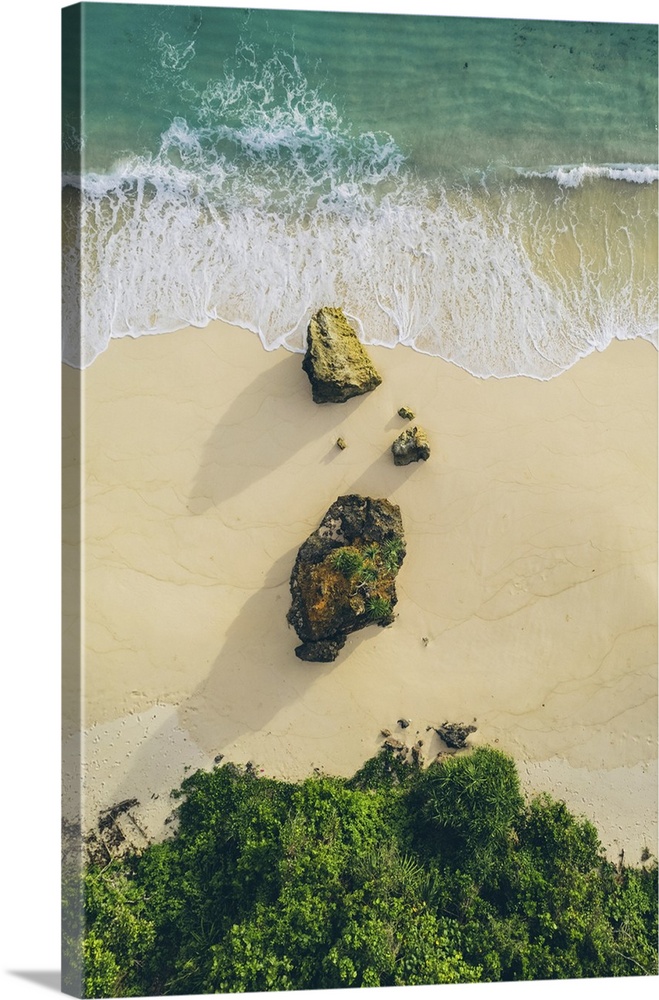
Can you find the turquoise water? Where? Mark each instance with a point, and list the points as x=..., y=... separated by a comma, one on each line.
x=481, y=190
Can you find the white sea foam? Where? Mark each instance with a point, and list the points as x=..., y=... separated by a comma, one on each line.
x=267, y=206
x=474, y=278
x=575, y=175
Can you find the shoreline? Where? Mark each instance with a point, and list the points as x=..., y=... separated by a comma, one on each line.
x=356, y=323
x=531, y=571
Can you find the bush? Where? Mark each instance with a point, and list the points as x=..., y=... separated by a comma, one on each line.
x=397, y=876
x=473, y=800
x=379, y=609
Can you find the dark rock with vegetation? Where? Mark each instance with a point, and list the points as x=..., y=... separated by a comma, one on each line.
x=336, y=362
x=455, y=734
x=393, y=744
x=401, y=875
x=344, y=575
x=406, y=413
x=411, y=446
x=324, y=651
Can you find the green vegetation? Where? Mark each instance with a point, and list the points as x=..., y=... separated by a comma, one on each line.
x=398, y=875
x=391, y=553
x=368, y=565
x=347, y=561
x=368, y=574
x=379, y=609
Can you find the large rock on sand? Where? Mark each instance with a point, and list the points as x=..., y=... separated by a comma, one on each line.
x=344, y=575
x=336, y=363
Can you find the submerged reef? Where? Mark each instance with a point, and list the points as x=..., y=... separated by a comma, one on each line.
x=344, y=575
x=336, y=362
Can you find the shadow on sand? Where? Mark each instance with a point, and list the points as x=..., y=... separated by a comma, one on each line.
x=259, y=649
x=235, y=456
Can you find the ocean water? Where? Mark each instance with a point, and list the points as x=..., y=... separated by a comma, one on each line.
x=481, y=190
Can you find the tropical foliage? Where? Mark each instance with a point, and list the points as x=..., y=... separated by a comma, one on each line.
x=399, y=875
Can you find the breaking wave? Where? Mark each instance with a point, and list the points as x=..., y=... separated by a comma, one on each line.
x=574, y=176
x=263, y=205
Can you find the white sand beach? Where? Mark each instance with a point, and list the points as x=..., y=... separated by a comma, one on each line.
x=527, y=600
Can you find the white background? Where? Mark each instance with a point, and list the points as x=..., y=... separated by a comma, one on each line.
x=29, y=529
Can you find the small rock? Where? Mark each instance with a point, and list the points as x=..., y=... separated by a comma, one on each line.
x=411, y=446
x=393, y=743
x=385, y=732
x=455, y=734
x=404, y=723
x=340, y=443
x=406, y=413
x=218, y=758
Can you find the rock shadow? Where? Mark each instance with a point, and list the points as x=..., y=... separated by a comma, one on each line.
x=382, y=478
x=256, y=673
x=255, y=676
x=267, y=424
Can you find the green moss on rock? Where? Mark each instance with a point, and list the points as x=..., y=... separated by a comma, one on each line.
x=344, y=575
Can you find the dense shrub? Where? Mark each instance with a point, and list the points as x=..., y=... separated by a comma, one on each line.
x=399, y=875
